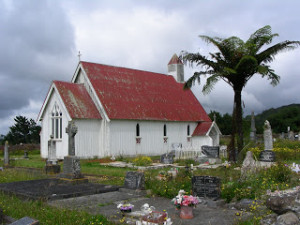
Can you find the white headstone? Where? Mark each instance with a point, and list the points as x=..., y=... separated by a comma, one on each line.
x=6, y=154
x=268, y=139
x=52, y=159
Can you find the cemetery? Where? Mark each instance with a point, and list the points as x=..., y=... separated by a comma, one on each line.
x=177, y=187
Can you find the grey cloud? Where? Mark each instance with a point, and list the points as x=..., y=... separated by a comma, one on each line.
x=37, y=40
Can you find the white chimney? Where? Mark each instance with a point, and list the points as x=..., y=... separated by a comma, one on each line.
x=176, y=69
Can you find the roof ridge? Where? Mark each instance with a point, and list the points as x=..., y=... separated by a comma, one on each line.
x=122, y=67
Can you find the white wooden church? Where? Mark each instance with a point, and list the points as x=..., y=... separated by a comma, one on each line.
x=121, y=111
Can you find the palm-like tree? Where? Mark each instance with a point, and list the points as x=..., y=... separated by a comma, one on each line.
x=236, y=62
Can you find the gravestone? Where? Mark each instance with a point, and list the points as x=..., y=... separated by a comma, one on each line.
x=134, y=180
x=211, y=151
x=71, y=168
x=223, y=151
x=52, y=151
x=167, y=158
x=249, y=165
x=267, y=155
x=206, y=186
x=52, y=166
x=6, y=154
x=26, y=221
x=176, y=146
x=253, y=129
x=291, y=136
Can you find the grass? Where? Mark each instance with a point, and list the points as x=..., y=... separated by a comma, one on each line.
x=12, y=175
x=17, y=208
x=233, y=188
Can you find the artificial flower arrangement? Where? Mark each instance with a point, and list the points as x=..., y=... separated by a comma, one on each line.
x=125, y=207
x=185, y=200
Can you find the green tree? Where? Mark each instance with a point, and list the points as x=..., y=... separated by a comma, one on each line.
x=23, y=131
x=236, y=62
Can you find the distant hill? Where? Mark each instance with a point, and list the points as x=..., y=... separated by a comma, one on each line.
x=279, y=118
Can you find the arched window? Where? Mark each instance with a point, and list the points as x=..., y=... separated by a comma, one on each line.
x=137, y=130
x=188, y=130
x=165, y=130
x=56, y=121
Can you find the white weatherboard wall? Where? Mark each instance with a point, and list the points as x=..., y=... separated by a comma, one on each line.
x=61, y=144
x=87, y=140
x=198, y=141
x=123, y=136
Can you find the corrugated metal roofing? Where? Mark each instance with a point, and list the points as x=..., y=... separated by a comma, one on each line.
x=175, y=60
x=141, y=95
x=202, y=128
x=77, y=100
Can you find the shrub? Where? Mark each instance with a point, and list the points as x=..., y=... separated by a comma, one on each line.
x=142, y=161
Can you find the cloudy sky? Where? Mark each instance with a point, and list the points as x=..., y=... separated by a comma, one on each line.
x=40, y=41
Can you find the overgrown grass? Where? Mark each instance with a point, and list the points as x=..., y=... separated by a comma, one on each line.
x=17, y=208
x=12, y=175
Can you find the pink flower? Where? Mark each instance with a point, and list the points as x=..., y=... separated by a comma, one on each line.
x=185, y=202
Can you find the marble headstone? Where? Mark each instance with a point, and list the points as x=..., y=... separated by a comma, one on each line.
x=253, y=129
x=6, y=154
x=267, y=155
x=268, y=138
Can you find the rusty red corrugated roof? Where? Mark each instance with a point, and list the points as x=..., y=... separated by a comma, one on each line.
x=202, y=128
x=141, y=95
x=77, y=100
x=175, y=60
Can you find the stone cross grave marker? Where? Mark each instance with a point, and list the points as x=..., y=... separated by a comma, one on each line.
x=134, y=180
x=206, y=186
x=6, y=154
x=71, y=168
x=71, y=130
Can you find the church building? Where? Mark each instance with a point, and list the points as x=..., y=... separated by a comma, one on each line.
x=122, y=111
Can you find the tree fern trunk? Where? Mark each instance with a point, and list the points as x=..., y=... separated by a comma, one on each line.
x=239, y=119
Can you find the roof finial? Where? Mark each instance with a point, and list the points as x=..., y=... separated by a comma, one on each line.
x=79, y=54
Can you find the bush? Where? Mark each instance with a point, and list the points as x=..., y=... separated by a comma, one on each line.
x=142, y=161
x=276, y=177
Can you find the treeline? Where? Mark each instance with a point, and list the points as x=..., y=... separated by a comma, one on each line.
x=280, y=119
x=24, y=131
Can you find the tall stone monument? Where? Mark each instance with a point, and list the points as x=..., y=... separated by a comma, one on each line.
x=253, y=129
x=52, y=166
x=71, y=168
x=267, y=155
x=6, y=154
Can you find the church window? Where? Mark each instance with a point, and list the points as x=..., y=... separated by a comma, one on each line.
x=56, y=122
x=165, y=130
x=137, y=130
x=188, y=133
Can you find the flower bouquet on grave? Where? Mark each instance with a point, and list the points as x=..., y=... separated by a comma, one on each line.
x=125, y=207
x=185, y=203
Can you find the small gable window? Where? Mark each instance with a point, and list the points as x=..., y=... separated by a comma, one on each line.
x=56, y=122
x=165, y=130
